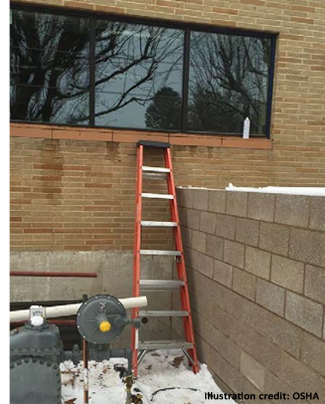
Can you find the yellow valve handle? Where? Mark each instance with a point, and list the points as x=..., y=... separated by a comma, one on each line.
x=105, y=326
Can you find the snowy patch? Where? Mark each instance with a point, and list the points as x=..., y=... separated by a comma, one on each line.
x=314, y=191
x=164, y=377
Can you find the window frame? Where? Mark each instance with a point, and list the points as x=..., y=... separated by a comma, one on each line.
x=187, y=28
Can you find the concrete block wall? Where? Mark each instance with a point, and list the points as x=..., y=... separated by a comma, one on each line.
x=256, y=270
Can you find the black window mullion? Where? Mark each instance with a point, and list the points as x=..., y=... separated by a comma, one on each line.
x=92, y=69
x=270, y=88
x=186, y=75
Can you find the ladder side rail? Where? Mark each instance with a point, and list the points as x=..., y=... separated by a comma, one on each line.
x=136, y=256
x=181, y=268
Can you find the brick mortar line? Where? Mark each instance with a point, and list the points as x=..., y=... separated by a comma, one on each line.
x=263, y=307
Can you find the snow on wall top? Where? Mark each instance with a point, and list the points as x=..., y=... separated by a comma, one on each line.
x=312, y=191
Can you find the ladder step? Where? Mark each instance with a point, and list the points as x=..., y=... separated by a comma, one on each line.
x=156, y=169
x=160, y=252
x=148, y=285
x=163, y=313
x=158, y=224
x=165, y=345
x=154, y=176
x=158, y=196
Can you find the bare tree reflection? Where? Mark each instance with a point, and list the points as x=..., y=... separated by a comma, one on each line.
x=228, y=82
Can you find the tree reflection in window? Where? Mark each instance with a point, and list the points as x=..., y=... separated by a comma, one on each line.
x=228, y=82
x=49, y=68
x=134, y=63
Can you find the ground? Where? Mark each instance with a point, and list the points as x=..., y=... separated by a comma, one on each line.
x=159, y=370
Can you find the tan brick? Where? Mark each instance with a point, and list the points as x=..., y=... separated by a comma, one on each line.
x=304, y=312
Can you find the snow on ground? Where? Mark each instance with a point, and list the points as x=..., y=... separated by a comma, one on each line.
x=158, y=370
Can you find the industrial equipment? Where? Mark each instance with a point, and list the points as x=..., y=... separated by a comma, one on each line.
x=36, y=349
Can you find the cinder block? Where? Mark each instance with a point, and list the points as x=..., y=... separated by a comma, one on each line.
x=317, y=213
x=199, y=241
x=222, y=273
x=257, y=262
x=287, y=273
x=308, y=246
x=298, y=375
x=236, y=203
x=315, y=283
x=201, y=199
x=187, y=197
x=292, y=210
x=192, y=219
x=186, y=236
x=252, y=370
x=274, y=238
x=247, y=231
x=270, y=296
x=305, y=313
x=206, y=265
x=191, y=258
x=244, y=283
x=261, y=206
x=208, y=222
x=313, y=352
x=226, y=226
x=214, y=246
x=217, y=201
x=234, y=254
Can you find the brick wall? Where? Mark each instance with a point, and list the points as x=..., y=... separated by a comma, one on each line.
x=70, y=194
x=256, y=269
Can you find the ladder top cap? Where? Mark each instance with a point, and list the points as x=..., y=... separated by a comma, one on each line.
x=153, y=144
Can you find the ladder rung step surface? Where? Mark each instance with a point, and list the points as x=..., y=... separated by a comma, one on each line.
x=158, y=224
x=162, y=313
x=158, y=196
x=159, y=285
x=165, y=345
x=154, y=176
x=160, y=252
x=156, y=169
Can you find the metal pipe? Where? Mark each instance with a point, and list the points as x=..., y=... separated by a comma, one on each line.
x=54, y=274
x=71, y=309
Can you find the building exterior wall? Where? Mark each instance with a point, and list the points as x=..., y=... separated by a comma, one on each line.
x=256, y=269
x=74, y=188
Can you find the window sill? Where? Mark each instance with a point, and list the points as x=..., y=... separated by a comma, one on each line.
x=128, y=136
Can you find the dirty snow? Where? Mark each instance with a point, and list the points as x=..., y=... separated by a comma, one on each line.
x=158, y=370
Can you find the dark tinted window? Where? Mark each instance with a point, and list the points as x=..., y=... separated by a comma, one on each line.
x=229, y=78
x=138, y=76
x=107, y=73
x=49, y=68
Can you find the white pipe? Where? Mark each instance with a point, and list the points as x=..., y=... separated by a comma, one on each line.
x=71, y=309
